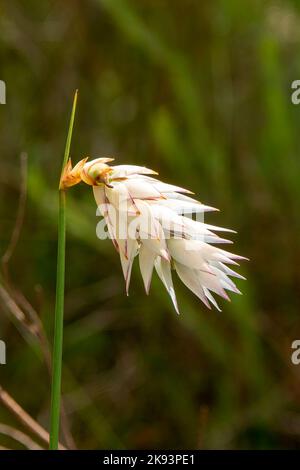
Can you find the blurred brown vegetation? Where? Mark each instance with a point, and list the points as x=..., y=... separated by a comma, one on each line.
x=199, y=91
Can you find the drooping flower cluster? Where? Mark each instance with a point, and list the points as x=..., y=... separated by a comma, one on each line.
x=153, y=220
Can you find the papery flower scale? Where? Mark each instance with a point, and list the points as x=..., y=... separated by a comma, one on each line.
x=152, y=220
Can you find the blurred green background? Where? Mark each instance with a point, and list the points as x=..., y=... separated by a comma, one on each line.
x=201, y=92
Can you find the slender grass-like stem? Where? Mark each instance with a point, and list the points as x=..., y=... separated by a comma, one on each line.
x=59, y=303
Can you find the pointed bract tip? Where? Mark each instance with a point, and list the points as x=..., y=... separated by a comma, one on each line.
x=71, y=176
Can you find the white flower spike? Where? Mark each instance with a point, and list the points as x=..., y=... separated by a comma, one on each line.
x=152, y=219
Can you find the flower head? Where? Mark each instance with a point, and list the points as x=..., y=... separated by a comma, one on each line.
x=152, y=220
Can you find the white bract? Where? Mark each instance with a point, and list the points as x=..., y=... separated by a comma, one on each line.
x=152, y=220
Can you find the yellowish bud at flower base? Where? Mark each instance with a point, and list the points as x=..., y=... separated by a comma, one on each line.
x=94, y=173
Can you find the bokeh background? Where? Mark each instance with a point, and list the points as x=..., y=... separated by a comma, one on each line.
x=201, y=92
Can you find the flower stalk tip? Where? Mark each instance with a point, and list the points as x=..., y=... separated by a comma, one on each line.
x=60, y=289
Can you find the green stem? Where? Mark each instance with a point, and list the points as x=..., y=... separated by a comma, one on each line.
x=59, y=303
